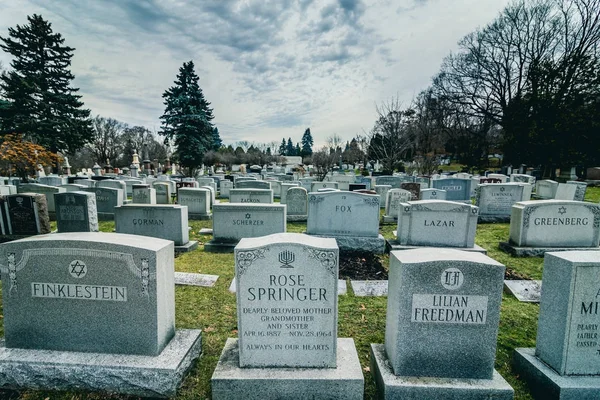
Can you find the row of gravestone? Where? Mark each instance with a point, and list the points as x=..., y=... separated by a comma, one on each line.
x=68, y=295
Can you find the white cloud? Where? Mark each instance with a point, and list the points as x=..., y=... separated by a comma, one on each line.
x=269, y=68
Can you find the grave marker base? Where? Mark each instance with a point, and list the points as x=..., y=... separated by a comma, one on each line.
x=388, y=219
x=392, y=245
x=358, y=243
x=189, y=246
x=199, y=217
x=537, y=251
x=297, y=218
x=492, y=218
x=137, y=375
x=215, y=246
x=229, y=381
x=546, y=384
x=391, y=386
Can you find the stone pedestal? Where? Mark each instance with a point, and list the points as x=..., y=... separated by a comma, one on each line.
x=361, y=243
x=546, y=384
x=522, y=251
x=229, y=381
x=390, y=386
x=137, y=375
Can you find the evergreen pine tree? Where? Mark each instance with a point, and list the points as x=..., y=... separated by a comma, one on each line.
x=41, y=104
x=217, y=142
x=289, y=148
x=282, y=148
x=187, y=119
x=297, y=150
x=307, y=143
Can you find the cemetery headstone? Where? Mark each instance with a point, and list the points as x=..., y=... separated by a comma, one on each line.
x=163, y=221
x=564, y=363
x=565, y=191
x=456, y=189
x=359, y=186
x=436, y=223
x=495, y=200
x=197, y=200
x=392, y=203
x=72, y=187
x=297, y=204
x=284, y=191
x=522, y=178
x=286, y=289
x=26, y=214
x=232, y=222
x=433, y=299
x=546, y=189
x=225, y=188
x=106, y=201
x=252, y=196
x=432, y=194
x=413, y=188
x=103, y=303
x=76, y=212
x=382, y=191
x=323, y=185
x=162, y=192
x=143, y=194
x=352, y=218
x=254, y=184
x=552, y=225
x=115, y=184
x=580, y=192
x=393, y=181
x=47, y=191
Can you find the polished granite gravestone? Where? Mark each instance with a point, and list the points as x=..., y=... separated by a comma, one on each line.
x=351, y=218
x=413, y=188
x=284, y=191
x=232, y=222
x=524, y=290
x=441, y=327
x=163, y=192
x=26, y=214
x=143, y=194
x=253, y=184
x=297, y=204
x=92, y=311
x=432, y=194
x=114, y=184
x=495, y=200
x=456, y=189
x=106, y=200
x=393, y=181
x=47, y=191
x=287, y=324
x=197, y=201
x=314, y=186
x=163, y=221
x=436, y=223
x=225, y=188
x=382, y=191
x=522, y=178
x=392, y=203
x=251, y=196
x=545, y=189
x=564, y=364
x=76, y=212
x=552, y=225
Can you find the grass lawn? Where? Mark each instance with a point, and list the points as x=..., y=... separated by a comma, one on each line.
x=363, y=318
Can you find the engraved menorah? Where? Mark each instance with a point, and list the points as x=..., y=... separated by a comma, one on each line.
x=286, y=258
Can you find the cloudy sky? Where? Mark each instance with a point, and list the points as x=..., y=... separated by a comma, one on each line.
x=270, y=68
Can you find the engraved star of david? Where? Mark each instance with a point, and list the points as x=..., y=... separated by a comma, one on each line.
x=78, y=269
x=248, y=216
x=502, y=189
x=562, y=210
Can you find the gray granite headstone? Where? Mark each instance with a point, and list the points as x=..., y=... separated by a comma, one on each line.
x=432, y=194
x=580, y=191
x=76, y=212
x=443, y=313
x=564, y=363
x=369, y=288
x=343, y=214
x=72, y=187
x=314, y=186
x=297, y=204
x=197, y=200
x=287, y=301
x=495, y=200
x=456, y=189
x=106, y=201
x=253, y=184
x=437, y=223
x=143, y=194
x=164, y=221
x=382, y=191
x=284, y=191
x=27, y=214
x=546, y=189
x=88, y=292
x=191, y=279
x=251, y=196
x=225, y=188
x=114, y=184
x=392, y=203
x=46, y=190
x=232, y=222
x=393, y=181
x=163, y=192
x=555, y=223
